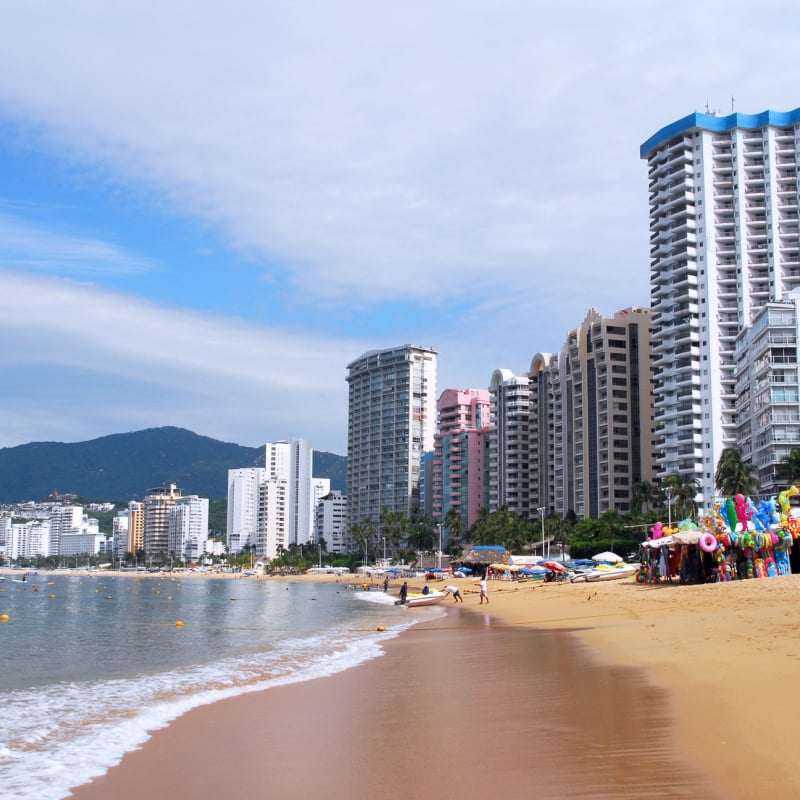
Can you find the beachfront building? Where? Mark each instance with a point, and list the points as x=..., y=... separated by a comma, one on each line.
x=724, y=241
x=272, y=507
x=391, y=424
x=29, y=539
x=509, y=474
x=128, y=530
x=188, y=528
x=157, y=506
x=64, y=521
x=273, y=530
x=244, y=486
x=5, y=533
x=120, y=526
x=85, y=541
x=767, y=398
x=575, y=433
x=459, y=470
x=331, y=522
x=607, y=383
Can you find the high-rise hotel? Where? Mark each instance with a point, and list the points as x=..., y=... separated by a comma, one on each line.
x=724, y=242
x=391, y=423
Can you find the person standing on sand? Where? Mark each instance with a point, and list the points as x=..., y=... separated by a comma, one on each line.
x=484, y=590
x=386, y=584
x=404, y=592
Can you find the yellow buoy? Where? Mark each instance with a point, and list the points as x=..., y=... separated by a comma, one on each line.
x=52, y=596
x=169, y=597
x=233, y=598
x=179, y=624
x=381, y=628
x=3, y=617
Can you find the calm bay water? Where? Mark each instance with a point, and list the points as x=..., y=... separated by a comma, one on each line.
x=92, y=665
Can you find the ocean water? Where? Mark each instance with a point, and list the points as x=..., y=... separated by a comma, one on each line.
x=92, y=665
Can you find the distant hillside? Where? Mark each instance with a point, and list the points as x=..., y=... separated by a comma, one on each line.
x=124, y=466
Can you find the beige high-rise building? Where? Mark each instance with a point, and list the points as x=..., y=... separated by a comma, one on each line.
x=575, y=433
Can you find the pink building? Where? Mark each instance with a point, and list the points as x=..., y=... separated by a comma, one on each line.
x=460, y=454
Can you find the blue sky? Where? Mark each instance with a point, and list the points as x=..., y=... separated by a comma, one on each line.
x=206, y=212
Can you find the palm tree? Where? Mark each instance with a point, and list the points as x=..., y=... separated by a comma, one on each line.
x=792, y=465
x=682, y=493
x=452, y=521
x=644, y=494
x=734, y=475
x=394, y=528
x=611, y=522
x=363, y=534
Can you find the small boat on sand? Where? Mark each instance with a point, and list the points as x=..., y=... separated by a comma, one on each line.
x=605, y=572
x=429, y=599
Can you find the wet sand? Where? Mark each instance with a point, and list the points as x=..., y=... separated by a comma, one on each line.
x=529, y=690
x=461, y=706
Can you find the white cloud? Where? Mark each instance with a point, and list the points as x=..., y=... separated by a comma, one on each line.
x=40, y=249
x=479, y=156
x=377, y=151
x=101, y=361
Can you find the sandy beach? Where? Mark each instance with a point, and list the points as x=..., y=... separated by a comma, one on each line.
x=680, y=691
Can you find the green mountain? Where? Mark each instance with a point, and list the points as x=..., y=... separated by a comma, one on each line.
x=124, y=466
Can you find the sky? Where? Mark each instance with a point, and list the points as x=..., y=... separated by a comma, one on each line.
x=208, y=210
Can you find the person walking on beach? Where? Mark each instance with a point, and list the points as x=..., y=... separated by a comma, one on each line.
x=484, y=590
x=404, y=592
x=386, y=584
x=453, y=590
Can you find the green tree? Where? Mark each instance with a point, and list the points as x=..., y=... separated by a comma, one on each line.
x=681, y=492
x=453, y=523
x=611, y=524
x=422, y=533
x=363, y=536
x=734, y=475
x=791, y=465
x=394, y=527
x=643, y=494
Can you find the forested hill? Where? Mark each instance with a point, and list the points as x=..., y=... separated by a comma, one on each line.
x=124, y=466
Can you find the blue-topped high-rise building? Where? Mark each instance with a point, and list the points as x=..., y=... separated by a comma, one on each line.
x=724, y=240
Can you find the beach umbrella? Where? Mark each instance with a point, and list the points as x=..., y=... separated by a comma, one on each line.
x=608, y=556
x=553, y=565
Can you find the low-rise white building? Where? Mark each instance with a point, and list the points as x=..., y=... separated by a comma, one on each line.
x=331, y=522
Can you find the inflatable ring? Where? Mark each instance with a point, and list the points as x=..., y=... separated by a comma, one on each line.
x=707, y=542
x=641, y=577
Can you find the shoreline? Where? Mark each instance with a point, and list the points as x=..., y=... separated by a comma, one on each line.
x=725, y=654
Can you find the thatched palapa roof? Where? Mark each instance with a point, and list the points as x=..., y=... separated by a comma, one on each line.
x=483, y=555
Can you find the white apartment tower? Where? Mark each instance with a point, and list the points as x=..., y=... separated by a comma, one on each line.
x=724, y=241
x=331, y=522
x=243, y=505
x=509, y=462
x=391, y=424
x=188, y=528
x=272, y=507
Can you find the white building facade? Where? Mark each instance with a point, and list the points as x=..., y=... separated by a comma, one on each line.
x=188, y=528
x=768, y=391
x=243, y=506
x=391, y=424
x=724, y=240
x=331, y=522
